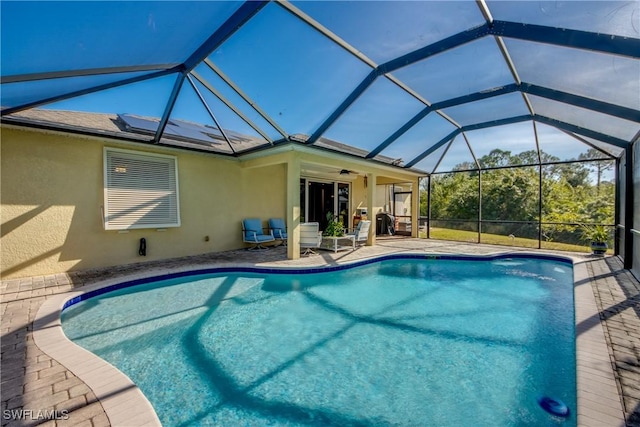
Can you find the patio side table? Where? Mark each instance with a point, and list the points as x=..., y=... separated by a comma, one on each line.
x=333, y=242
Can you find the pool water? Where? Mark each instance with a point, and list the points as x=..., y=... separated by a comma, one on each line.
x=400, y=342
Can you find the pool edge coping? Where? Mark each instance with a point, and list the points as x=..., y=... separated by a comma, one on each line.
x=120, y=397
x=595, y=374
x=139, y=279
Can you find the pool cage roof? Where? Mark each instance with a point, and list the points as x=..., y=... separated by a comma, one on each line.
x=424, y=85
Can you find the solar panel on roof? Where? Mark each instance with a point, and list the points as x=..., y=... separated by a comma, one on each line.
x=184, y=128
x=188, y=125
x=189, y=134
x=210, y=131
x=214, y=133
x=138, y=124
x=176, y=128
x=236, y=137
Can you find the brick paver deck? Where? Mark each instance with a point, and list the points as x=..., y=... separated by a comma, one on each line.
x=618, y=298
x=38, y=390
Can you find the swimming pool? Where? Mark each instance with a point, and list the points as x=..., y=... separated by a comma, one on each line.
x=403, y=341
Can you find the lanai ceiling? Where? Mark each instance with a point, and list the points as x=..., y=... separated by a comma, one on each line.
x=424, y=85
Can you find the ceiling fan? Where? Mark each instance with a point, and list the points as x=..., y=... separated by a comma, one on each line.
x=329, y=171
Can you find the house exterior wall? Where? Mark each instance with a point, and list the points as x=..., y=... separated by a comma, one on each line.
x=52, y=194
x=263, y=192
x=359, y=193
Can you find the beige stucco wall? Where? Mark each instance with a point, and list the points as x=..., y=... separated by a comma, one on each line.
x=52, y=194
x=263, y=192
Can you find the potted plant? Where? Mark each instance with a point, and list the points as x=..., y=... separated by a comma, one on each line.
x=335, y=228
x=597, y=236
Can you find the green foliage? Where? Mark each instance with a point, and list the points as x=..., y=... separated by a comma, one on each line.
x=599, y=167
x=456, y=196
x=510, y=194
x=334, y=228
x=595, y=233
x=568, y=196
x=560, y=208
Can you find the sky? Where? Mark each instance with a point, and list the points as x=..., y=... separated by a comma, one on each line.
x=299, y=77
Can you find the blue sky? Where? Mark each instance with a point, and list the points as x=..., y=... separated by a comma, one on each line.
x=298, y=77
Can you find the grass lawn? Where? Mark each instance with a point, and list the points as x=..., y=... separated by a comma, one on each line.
x=495, y=239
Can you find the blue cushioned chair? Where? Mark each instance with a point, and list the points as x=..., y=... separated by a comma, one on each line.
x=279, y=229
x=252, y=232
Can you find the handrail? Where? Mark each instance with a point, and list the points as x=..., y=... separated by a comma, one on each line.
x=506, y=221
x=633, y=230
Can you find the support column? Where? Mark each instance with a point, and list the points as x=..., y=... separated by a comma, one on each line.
x=370, y=183
x=415, y=208
x=618, y=213
x=429, y=207
x=628, y=207
x=479, y=206
x=293, y=207
x=540, y=206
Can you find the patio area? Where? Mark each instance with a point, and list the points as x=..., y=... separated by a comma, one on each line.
x=133, y=146
x=39, y=390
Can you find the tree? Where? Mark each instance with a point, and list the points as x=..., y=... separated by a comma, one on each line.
x=496, y=158
x=511, y=194
x=598, y=166
x=574, y=173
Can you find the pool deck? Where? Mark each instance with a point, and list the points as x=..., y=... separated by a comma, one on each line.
x=47, y=380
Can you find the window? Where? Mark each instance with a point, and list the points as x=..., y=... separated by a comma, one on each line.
x=140, y=190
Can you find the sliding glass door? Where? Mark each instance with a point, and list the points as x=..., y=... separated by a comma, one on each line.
x=319, y=198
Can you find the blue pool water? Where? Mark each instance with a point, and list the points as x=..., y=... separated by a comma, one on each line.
x=401, y=342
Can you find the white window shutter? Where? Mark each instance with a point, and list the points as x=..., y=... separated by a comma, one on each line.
x=141, y=190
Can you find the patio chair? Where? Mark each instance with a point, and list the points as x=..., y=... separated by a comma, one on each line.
x=310, y=237
x=253, y=233
x=279, y=229
x=361, y=232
